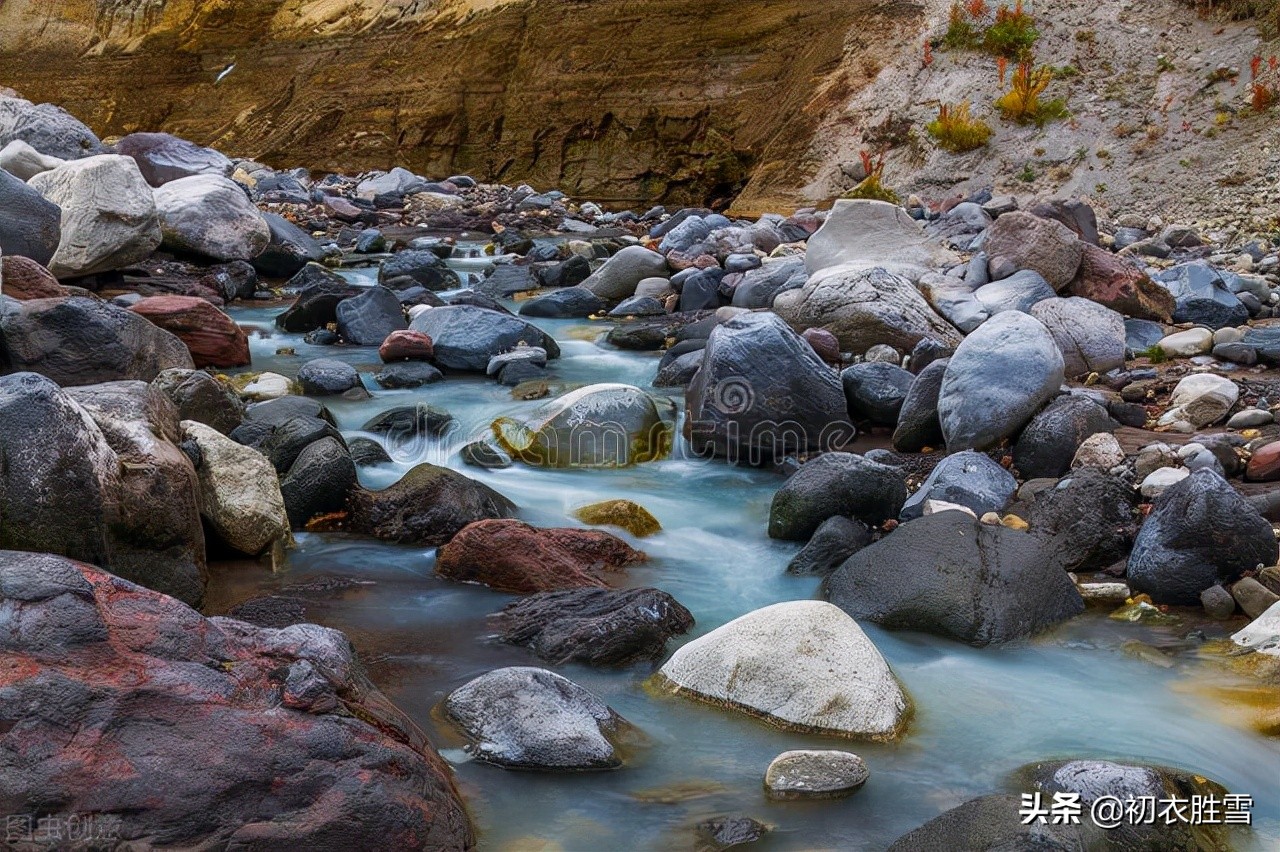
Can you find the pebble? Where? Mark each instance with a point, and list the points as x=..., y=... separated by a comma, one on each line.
x=1184, y=344
x=1157, y=481
x=815, y=774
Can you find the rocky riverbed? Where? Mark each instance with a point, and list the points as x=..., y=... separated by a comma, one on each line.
x=402, y=511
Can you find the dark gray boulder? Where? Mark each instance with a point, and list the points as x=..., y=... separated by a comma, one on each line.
x=835, y=540
x=836, y=484
x=875, y=391
x=49, y=129
x=318, y=481
x=602, y=627
x=1202, y=296
x=950, y=575
x=326, y=376
x=163, y=158
x=319, y=292
x=30, y=224
x=200, y=397
x=918, y=424
x=428, y=505
x=466, y=337
x=423, y=266
x=757, y=287
x=408, y=374
x=367, y=319
x=565, y=303
x=967, y=479
x=1089, y=515
x=1201, y=532
x=993, y=823
x=1049, y=442
x=290, y=249
x=529, y=718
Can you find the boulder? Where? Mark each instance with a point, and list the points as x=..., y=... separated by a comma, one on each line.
x=875, y=391
x=836, y=484
x=835, y=540
x=318, y=481
x=762, y=393
x=757, y=288
x=814, y=774
x=993, y=823
x=1091, y=337
x=210, y=215
x=996, y=381
x=288, y=251
x=528, y=718
x=319, y=292
x=918, y=424
x=966, y=479
x=1049, y=442
x=239, y=492
x=199, y=396
x=1090, y=517
x=23, y=279
x=1018, y=292
x=324, y=376
x=1201, y=532
x=423, y=266
x=407, y=374
x=565, y=303
x=212, y=337
x=207, y=719
x=163, y=158
x=863, y=234
x=428, y=505
x=49, y=129
x=1078, y=216
x=109, y=217
x=397, y=183
x=369, y=318
x=405, y=346
x=24, y=162
x=800, y=665
x=465, y=337
x=30, y=224
x=600, y=627
x=82, y=341
x=1202, y=296
x=406, y=424
x=1120, y=284
x=1019, y=241
x=625, y=514
x=604, y=425
x=953, y=576
x=512, y=556
x=864, y=307
x=618, y=277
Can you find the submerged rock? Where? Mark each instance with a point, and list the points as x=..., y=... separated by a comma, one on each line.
x=513, y=556
x=801, y=665
x=601, y=627
x=630, y=516
x=948, y=574
x=814, y=774
x=529, y=718
x=207, y=719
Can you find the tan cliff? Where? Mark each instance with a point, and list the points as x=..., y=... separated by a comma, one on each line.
x=766, y=102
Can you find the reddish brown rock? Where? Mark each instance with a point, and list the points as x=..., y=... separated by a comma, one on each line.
x=512, y=556
x=826, y=344
x=405, y=345
x=1120, y=285
x=213, y=338
x=156, y=726
x=22, y=278
x=1265, y=464
x=341, y=209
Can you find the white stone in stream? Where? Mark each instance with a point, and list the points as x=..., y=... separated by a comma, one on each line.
x=1184, y=344
x=1100, y=450
x=211, y=216
x=867, y=233
x=1104, y=594
x=267, y=386
x=1158, y=480
x=1199, y=400
x=815, y=774
x=109, y=216
x=1263, y=633
x=239, y=491
x=801, y=665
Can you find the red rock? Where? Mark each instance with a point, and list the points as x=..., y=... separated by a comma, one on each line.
x=341, y=209
x=213, y=338
x=1265, y=464
x=826, y=344
x=1116, y=282
x=22, y=278
x=512, y=556
x=405, y=345
x=143, y=720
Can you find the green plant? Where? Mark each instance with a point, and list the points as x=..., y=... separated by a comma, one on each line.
x=1027, y=175
x=961, y=34
x=872, y=185
x=1163, y=64
x=1013, y=34
x=1154, y=354
x=956, y=130
x=1022, y=102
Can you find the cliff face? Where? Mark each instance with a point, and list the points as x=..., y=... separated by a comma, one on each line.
x=675, y=100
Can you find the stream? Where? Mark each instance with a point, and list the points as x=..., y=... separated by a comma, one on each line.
x=1083, y=690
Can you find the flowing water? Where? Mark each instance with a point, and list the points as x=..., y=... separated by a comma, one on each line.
x=1080, y=691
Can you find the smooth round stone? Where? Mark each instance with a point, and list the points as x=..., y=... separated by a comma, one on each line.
x=885, y=353
x=1159, y=480
x=1250, y=418
x=1218, y=603
x=1227, y=335
x=814, y=774
x=1100, y=450
x=1265, y=464
x=1184, y=344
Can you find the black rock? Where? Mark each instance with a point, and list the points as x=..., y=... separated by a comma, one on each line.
x=408, y=374
x=726, y=832
x=367, y=319
x=1201, y=532
x=428, y=505
x=950, y=575
x=506, y=280
x=1089, y=515
x=701, y=291
x=968, y=479
x=836, y=539
x=318, y=481
x=202, y=398
x=926, y=351
x=993, y=823
x=601, y=627
x=423, y=266
x=465, y=337
x=679, y=371
x=485, y=455
x=327, y=376
x=566, y=303
x=875, y=391
x=273, y=412
x=319, y=292
x=757, y=288
x=638, y=306
x=1202, y=296
x=836, y=484
x=570, y=272
x=407, y=422
x=366, y=451
x=1049, y=442
x=918, y=424
x=321, y=337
